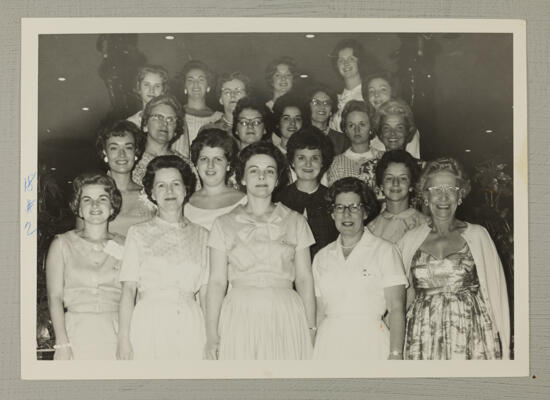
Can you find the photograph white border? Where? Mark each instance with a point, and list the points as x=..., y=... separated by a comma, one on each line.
x=31, y=368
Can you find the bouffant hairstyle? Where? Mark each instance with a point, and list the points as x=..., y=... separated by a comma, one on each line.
x=152, y=69
x=227, y=77
x=214, y=137
x=170, y=101
x=444, y=164
x=351, y=184
x=118, y=129
x=271, y=68
x=95, y=179
x=394, y=107
x=269, y=149
x=351, y=106
x=358, y=51
x=314, y=89
x=170, y=161
x=289, y=99
x=311, y=138
x=252, y=103
x=397, y=157
x=197, y=64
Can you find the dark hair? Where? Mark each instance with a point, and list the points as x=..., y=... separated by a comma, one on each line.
x=256, y=104
x=270, y=150
x=351, y=106
x=358, y=51
x=95, y=179
x=394, y=107
x=444, y=164
x=119, y=129
x=170, y=161
x=355, y=185
x=385, y=75
x=171, y=101
x=214, y=137
x=288, y=99
x=271, y=68
x=314, y=89
x=152, y=69
x=227, y=77
x=196, y=64
x=311, y=138
x=397, y=157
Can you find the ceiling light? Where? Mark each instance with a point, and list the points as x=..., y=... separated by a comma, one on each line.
x=169, y=37
x=53, y=168
x=304, y=76
x=468, y=151
x=85, y=108
x=61, y=79
x=488, y=131
x=310, y=36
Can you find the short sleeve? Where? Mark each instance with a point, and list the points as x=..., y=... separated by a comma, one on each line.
x=392, y=270
x=129, y=271
x=216, y=239
x=205, y=258
x=316, y=275
x=304, y=236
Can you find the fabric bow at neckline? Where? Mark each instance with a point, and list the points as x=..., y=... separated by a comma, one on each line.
x=252, y=226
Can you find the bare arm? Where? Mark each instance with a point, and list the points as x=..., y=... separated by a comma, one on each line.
x=395, y=300
x=304, y=284
x=215, y=293
x=125, y=311
x=55, y=268
x=320, y=310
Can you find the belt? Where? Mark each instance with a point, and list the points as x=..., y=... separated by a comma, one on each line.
x=262, y=282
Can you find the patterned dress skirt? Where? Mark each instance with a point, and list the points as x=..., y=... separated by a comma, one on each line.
x=448, y=318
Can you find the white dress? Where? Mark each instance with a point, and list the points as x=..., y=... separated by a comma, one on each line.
x=352, y=292
x=205, y=217
x=169, y=262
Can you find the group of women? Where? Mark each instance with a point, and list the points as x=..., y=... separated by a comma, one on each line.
x=304, y=227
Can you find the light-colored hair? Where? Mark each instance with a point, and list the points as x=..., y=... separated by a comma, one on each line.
x=444, y=164
x=394, y=107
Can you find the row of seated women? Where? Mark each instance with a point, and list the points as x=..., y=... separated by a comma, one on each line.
x=221, y=273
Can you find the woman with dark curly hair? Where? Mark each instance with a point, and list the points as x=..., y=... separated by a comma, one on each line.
x=251, y=122
x=357, y=278
x=166, y=263
x=458, y=297
x=280, y=75
x=214, y=154
x=262, y=250
x=82, y=274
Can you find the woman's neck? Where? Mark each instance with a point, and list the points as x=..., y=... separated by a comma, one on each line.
x=123, y=181
x=196, y=103
x=322, y=125
x=259, y=206
x=360, y=148
x=444, y=226
x=396, y=207
x=352, y=82
x=307, y=186
x=95, y=232
x=171, y=216
x=216, y=190
x=228, y=116
x=284, y=141
x=349, y=241
x=156, y=149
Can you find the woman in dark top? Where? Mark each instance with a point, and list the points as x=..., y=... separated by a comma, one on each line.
x=310, y=153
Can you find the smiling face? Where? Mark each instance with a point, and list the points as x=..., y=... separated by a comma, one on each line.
x=248, y=133
x=231, y=92
x=379, y=91
x=150, y=87
x=120, y=152
x=290, y=122
x=168, y=190
x=260, y=175
x=159, y=129
x=349, y=224
x=396, y=182
x=307, y=164
x=348, y=64
x=320, y=107
x=95, y=204
x=394, y=132
x=357, y=127
x=282, y=79
x=442, y=204
x=196, y=83
x=212, y=166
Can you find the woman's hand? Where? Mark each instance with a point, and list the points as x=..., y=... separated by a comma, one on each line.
x=211, y=350
x=124, y=349
x=63, y=353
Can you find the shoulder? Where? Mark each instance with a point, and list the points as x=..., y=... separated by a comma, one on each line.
x=413, y=234
x=475, y=231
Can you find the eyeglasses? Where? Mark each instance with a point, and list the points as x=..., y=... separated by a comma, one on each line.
x=250, y=123
x=317, y=102
x=443, y=189
x=353, y=208
x=162, y=119
x=234, y=92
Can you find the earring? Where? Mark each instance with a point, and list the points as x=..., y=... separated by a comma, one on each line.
x=207, y=90
x=135, y=158
x=410, y=189
x=459, y=201
x=105, y=159
x=185, y=92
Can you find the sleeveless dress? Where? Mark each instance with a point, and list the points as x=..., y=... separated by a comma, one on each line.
x=262, y=317
x=91, y=293
x=135, y=208
x=169, y=263
x=448, y=318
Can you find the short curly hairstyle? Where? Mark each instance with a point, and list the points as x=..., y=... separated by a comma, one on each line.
x=95, y=179
x=271, y=68
x=252, y=103
x=444, y=164
x=351, y=106
x=152, y=69
x=118, y=129
x=385, y=75
x=170, y=101
x=214, y=137
x=394, y=107
x=397, y=157
x=227, y=77
x=269, y=149
x=197, y=64
x=351, y=184
x=288, y=99
x=311, y=138
x=169, y=161
x=312, y=90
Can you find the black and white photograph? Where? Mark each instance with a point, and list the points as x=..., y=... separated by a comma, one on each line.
x=273, y=198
